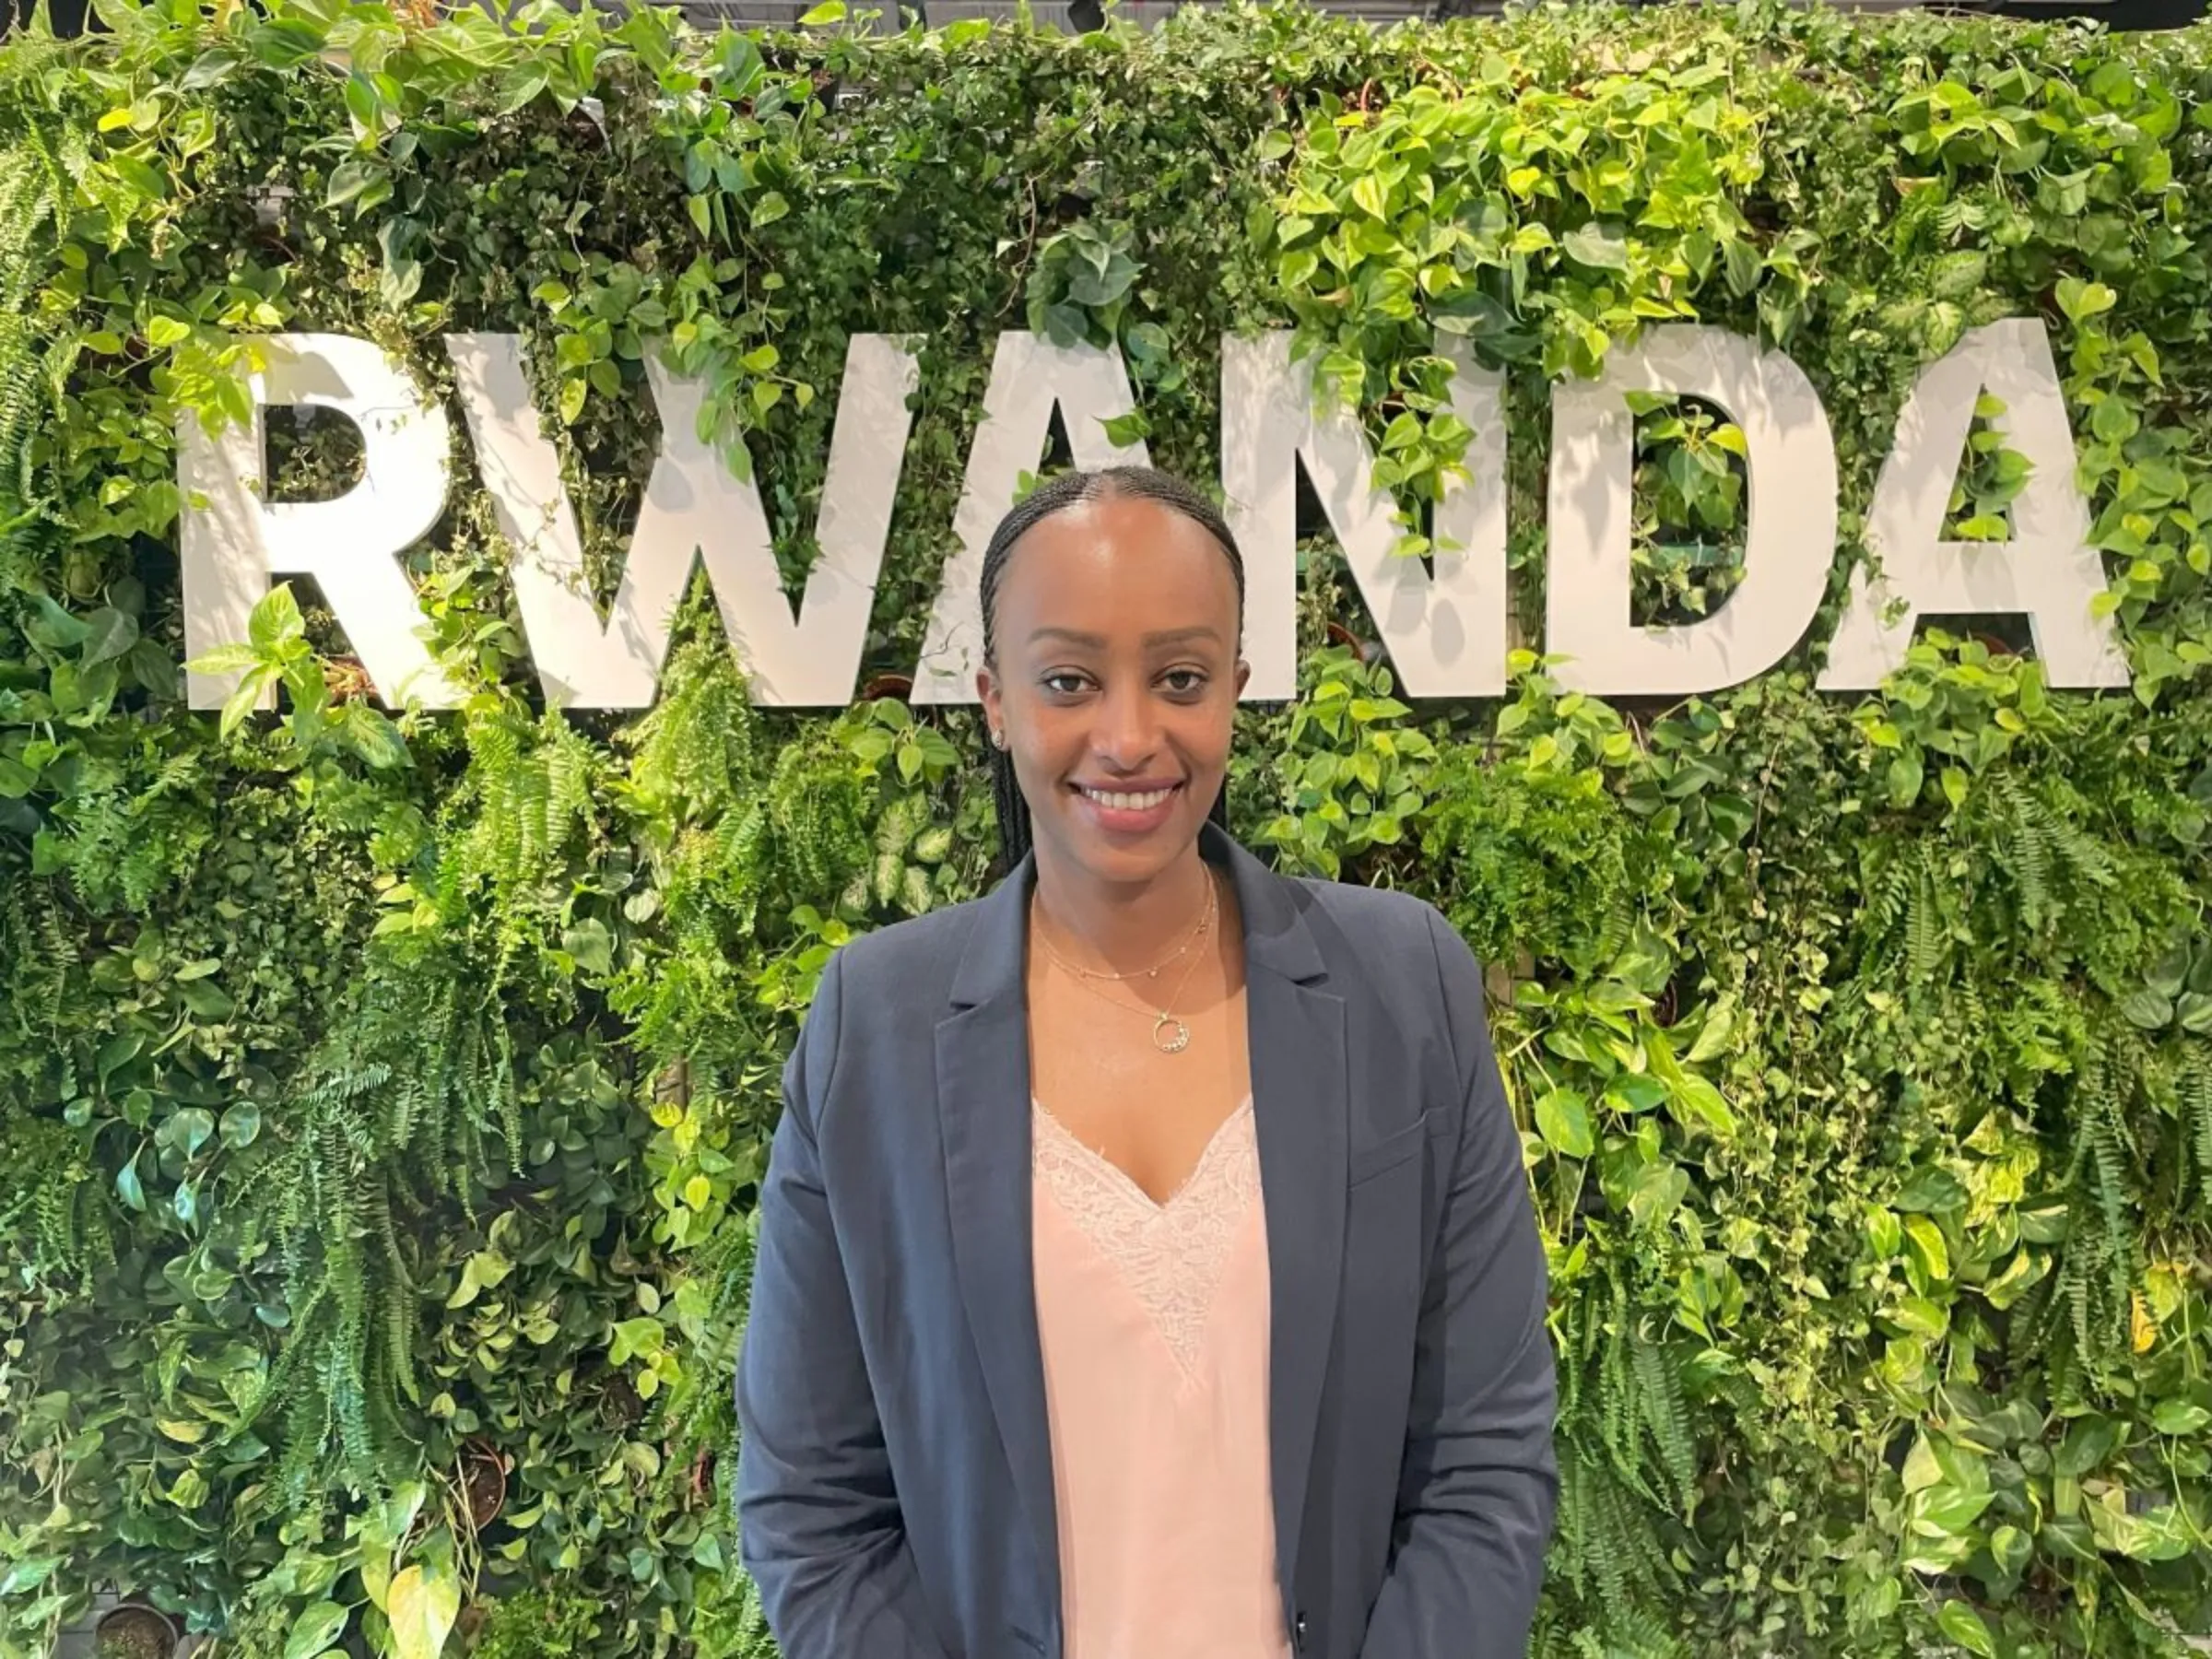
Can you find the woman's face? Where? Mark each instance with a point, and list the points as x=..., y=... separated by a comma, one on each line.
x=1116, y=683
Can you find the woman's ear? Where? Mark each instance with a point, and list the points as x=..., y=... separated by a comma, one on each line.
x=1243, y=675
x=987, y=692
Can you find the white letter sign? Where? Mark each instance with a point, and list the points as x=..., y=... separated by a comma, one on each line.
x=1443, y=619
x=2048, y=570
x=233, y=540
x=694, y=509
x=1788, y=543
x=1445, y=633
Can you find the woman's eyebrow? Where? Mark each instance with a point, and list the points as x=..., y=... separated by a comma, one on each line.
x=1183, y=636
x=1166, y=636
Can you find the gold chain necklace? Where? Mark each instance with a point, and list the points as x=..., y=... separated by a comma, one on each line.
x=1171, y=1035
x=1190, y=938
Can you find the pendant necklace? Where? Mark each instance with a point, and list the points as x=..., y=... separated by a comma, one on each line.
x=1170, y=1034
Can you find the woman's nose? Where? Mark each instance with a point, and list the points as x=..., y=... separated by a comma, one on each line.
x=1127, y=732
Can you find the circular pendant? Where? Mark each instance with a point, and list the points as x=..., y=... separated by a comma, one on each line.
x=1170, y=1035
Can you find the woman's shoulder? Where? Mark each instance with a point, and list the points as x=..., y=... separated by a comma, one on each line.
x=1395, y=949
x=1385, y=918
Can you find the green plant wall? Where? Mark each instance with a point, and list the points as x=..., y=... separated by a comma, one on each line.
x=384, y=1093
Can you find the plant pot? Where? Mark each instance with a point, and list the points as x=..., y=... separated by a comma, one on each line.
x=703, y=1473
x=134, y=1632
x=1992, y=644
x=1367, y=651
x=484, y=1479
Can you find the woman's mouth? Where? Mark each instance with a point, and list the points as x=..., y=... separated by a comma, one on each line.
x=1126, y=811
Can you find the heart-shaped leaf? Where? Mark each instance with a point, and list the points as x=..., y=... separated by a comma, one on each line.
x=1601, y=247
x=2081, y=300
x=1964, y=1626
x=422, y=1607
x=114, y=633
x=316, y=1631
x=2179, y=1417
x=28, y=1575
x=1563, y=1120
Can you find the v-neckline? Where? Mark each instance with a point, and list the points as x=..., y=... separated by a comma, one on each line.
x=1120, y=1176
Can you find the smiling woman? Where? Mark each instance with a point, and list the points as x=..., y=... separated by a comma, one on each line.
x=1222, y=1332
x=1127, y=545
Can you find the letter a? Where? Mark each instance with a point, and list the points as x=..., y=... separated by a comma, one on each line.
x=2048, y=570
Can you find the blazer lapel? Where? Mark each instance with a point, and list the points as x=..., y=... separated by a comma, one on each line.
x=1301, y=1097
x=983, y=1062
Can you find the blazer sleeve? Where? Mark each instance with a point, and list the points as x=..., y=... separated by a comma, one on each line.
x=1480, y=1484
x=820, y=1528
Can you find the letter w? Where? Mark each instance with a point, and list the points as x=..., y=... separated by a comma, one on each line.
x=694, y=507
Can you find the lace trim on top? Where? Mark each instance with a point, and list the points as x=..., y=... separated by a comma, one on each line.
x=1172, y=1255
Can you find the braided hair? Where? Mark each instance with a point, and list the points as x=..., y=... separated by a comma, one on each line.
x=1057, y=495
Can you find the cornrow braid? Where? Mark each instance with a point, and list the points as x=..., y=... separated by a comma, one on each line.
x=1057, y=495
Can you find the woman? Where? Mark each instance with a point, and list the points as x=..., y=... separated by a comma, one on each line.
x=1147, y=1268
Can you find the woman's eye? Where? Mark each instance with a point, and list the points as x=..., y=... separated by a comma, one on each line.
x=1064, y=683
x=1184, y=680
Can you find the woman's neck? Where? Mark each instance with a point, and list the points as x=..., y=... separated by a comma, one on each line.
x=1122, y=928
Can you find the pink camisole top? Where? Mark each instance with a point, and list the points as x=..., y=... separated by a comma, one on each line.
x=1154, y=1323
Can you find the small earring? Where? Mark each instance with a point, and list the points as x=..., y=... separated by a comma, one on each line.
x=998, y=738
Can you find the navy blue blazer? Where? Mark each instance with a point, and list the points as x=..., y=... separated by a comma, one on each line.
x=895, y=1478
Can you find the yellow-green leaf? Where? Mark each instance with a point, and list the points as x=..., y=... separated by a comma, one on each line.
x=1921, y=1470
x=1963, y=1625
x=2081, y=300
x=1925, y=1240
x=422, y=1607
x=315, y=1632
x=1563, y=1120
x=376, y=1578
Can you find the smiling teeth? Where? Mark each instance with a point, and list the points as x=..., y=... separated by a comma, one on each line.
x=1128, y=803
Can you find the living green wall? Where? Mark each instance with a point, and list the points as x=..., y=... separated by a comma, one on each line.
x=384, y=1097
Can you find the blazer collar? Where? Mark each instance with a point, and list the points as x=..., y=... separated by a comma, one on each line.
x=1277, y=939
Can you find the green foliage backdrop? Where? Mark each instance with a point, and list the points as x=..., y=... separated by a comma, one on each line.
x=384, y=1097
